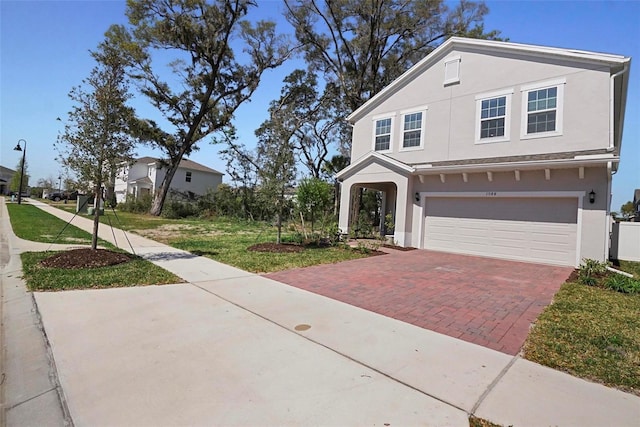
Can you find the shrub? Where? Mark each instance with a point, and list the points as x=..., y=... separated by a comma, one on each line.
x=174, y=208
x=591, y=270
x=624, y=284
x=139, y=205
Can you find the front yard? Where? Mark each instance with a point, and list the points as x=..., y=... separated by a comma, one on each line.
x=591, y=332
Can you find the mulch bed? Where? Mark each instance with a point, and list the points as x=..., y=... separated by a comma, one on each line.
x=399, y=248
x=276, y=248
x=85, y=258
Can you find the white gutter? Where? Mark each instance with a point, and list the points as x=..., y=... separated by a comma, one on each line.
x=611, y=105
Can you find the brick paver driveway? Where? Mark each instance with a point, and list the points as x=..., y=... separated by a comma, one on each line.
x=486, y=301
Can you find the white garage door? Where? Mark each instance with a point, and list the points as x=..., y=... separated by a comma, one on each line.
x=535, y=229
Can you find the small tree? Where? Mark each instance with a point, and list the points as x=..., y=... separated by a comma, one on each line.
x=314, y=198
x=627, y=210
x=277, y=168
x=97, y=129
x=14, y=185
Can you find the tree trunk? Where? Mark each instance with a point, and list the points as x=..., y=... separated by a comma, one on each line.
x=279, y=224
x=160, y=195
x=96, y=217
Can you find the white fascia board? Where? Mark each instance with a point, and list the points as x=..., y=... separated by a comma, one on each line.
x=380, y=158
x=509, y=166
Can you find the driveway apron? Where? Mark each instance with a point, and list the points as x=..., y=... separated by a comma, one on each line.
x=486, y=301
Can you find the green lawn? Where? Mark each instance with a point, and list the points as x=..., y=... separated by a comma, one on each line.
x=226, y=240
x=590, y=332
x=134, y=273
x=31, y=223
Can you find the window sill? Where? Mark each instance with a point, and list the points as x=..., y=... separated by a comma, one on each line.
x=491, y=141
x=540, y=135
x=418, y=148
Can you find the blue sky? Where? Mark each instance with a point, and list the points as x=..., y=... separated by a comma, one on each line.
x=44, y=53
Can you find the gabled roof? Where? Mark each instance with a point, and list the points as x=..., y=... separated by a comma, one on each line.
x=371, y=157
x=489, y=46
x=184, y=163
x=6, y=171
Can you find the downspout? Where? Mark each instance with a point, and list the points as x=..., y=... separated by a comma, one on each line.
x=612, y=106
x=608, y=228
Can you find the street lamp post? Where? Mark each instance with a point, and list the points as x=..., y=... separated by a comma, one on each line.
x=59, y=183
x=24, y=155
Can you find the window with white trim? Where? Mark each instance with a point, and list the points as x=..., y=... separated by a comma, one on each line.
x=542, y=109
x=413, y=129
x=188, y=176
x=493, y=116
x=382, y=140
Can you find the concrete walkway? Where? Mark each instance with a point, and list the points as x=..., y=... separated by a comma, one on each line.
x=233, y=348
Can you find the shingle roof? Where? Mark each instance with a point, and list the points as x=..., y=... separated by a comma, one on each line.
x=184, y=163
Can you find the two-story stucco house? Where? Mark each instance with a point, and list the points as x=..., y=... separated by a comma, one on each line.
x=496, y=149
x=145, y=175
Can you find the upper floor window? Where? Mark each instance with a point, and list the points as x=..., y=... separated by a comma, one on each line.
x=150, y=170
x=188, y=176
x=382, y=140
x=542, y=109
x=493, y=116
x=413, y=129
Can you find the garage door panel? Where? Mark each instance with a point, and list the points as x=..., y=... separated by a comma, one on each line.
x=539, y=230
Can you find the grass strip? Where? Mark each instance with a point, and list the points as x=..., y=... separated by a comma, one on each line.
x=34, y=224
x=591, y=333
x=137, y=272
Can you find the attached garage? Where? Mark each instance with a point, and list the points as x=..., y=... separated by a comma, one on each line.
x=537, y=229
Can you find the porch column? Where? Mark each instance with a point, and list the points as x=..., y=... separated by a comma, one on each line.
x=345, y=204
x=402, y=232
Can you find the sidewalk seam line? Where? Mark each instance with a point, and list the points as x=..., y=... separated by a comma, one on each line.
x=7, y=408
x=332, y=350
x=493, y=384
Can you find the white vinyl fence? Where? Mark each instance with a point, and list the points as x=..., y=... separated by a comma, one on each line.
x=625, y=241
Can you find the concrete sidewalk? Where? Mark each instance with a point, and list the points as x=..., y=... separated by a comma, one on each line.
x=234, y=348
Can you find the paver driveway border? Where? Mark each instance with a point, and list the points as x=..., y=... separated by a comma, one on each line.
x=485, y=301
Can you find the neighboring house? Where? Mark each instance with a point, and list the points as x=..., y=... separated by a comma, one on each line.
x=636, y=205
x=5, y=179
x=145, y=175
x=496, y=149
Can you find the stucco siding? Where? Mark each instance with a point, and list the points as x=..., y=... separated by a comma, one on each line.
x=451, y=115
x=200, y=183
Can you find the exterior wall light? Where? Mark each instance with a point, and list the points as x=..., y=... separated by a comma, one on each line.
x=592, y=197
